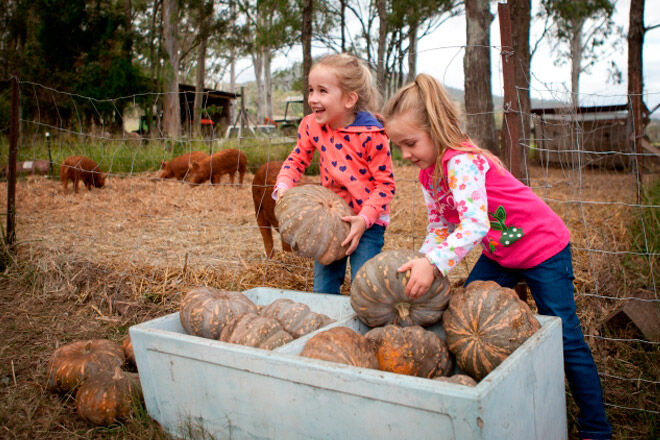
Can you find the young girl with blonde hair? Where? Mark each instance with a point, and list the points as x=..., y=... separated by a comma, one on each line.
x=472, y=199
x=354, y=155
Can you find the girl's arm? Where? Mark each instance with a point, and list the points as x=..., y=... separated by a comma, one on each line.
x=445, y=246
x=466, y=174
x=379, y=162
x=298, y=160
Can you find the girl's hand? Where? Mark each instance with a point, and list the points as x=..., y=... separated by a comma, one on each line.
x=421, y=277
x=358, y=226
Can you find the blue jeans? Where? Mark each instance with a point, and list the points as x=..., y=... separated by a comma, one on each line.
x=329, y=278
x=551, y=285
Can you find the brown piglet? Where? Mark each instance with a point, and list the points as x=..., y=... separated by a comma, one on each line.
x=180, y=167
x=77, y=168
x=214, y=167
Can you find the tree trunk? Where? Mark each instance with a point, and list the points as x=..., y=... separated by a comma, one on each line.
x=576, y=61
x=382, y=34
x=520, y=11
x=258, y=62
x=343, y=25
x=476, y=65
x=232, y=65
x=204, y=14
x=268, y=83
x=306, y=30
x=635, y=80
x=412, y=51
x=172, y=110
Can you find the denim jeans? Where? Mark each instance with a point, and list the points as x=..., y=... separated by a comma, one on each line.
x=551, y=285
x=329, y=278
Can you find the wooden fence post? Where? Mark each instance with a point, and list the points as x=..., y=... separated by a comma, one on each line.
x=511, y=119
x=11, y=166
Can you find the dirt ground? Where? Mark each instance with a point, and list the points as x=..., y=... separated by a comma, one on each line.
x=90, y=265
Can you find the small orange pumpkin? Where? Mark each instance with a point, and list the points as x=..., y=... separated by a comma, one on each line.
x=127, y=347
x=410, y=350
x=296, y=318
x=205, y=311
x=108, y=396
x=485, y=323
x=72, y=363
x=343, y=345
x=255, y=331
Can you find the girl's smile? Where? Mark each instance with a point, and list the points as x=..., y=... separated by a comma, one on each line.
x=415, y=143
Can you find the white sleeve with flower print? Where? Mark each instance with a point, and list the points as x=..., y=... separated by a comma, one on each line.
x=446, y=244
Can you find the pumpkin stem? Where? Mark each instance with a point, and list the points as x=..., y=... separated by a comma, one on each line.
x=403, y=310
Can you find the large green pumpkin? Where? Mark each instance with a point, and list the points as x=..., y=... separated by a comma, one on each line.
x=484, y=324
x=309, y=218
x=378, y=298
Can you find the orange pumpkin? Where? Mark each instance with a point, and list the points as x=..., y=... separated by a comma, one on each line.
x=72, y=363
x=127, y=347
x=343, y=345
x=378, y=298
x=310, y=222
x=205, y=311
x=485, y=323
x=108, y=396
x=296, y=318
x=255, y=331
x=460, y=379
x=410, y=350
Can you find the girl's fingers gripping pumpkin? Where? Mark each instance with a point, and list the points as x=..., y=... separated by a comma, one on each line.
x=358, y=226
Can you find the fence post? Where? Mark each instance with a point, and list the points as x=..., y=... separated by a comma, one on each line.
x=510, y=120
x=11, y=166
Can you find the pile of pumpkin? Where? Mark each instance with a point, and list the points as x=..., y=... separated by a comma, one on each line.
x=92, y=369
x=232, y=317
x=483, y=324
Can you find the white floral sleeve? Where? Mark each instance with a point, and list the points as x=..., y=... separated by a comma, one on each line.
x=446, y=243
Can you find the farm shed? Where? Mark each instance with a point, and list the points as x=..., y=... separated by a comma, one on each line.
x=583, y=136
x=216, y=104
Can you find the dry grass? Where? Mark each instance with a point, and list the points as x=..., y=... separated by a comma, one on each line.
x=92, y=264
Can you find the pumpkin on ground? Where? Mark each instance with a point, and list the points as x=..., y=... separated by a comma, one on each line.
x=205, y=311
x=127, y=347
x=310, y=222
x=378, y=298
x=343, y=345
x=72, y=363
x=255, y=331
x=484, y=324
x=108, y=396
x=410, y=350
x=460, y=379
x=296, y=318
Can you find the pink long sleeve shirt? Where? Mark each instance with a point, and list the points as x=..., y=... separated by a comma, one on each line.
x=355, y=162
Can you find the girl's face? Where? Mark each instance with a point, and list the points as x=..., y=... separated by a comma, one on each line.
x=327, y=99
x=415, y=143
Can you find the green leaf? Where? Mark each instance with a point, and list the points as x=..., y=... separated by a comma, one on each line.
x=496, y=226
x=500, y=214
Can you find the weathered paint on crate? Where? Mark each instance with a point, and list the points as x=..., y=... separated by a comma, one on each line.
x=197, y=385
